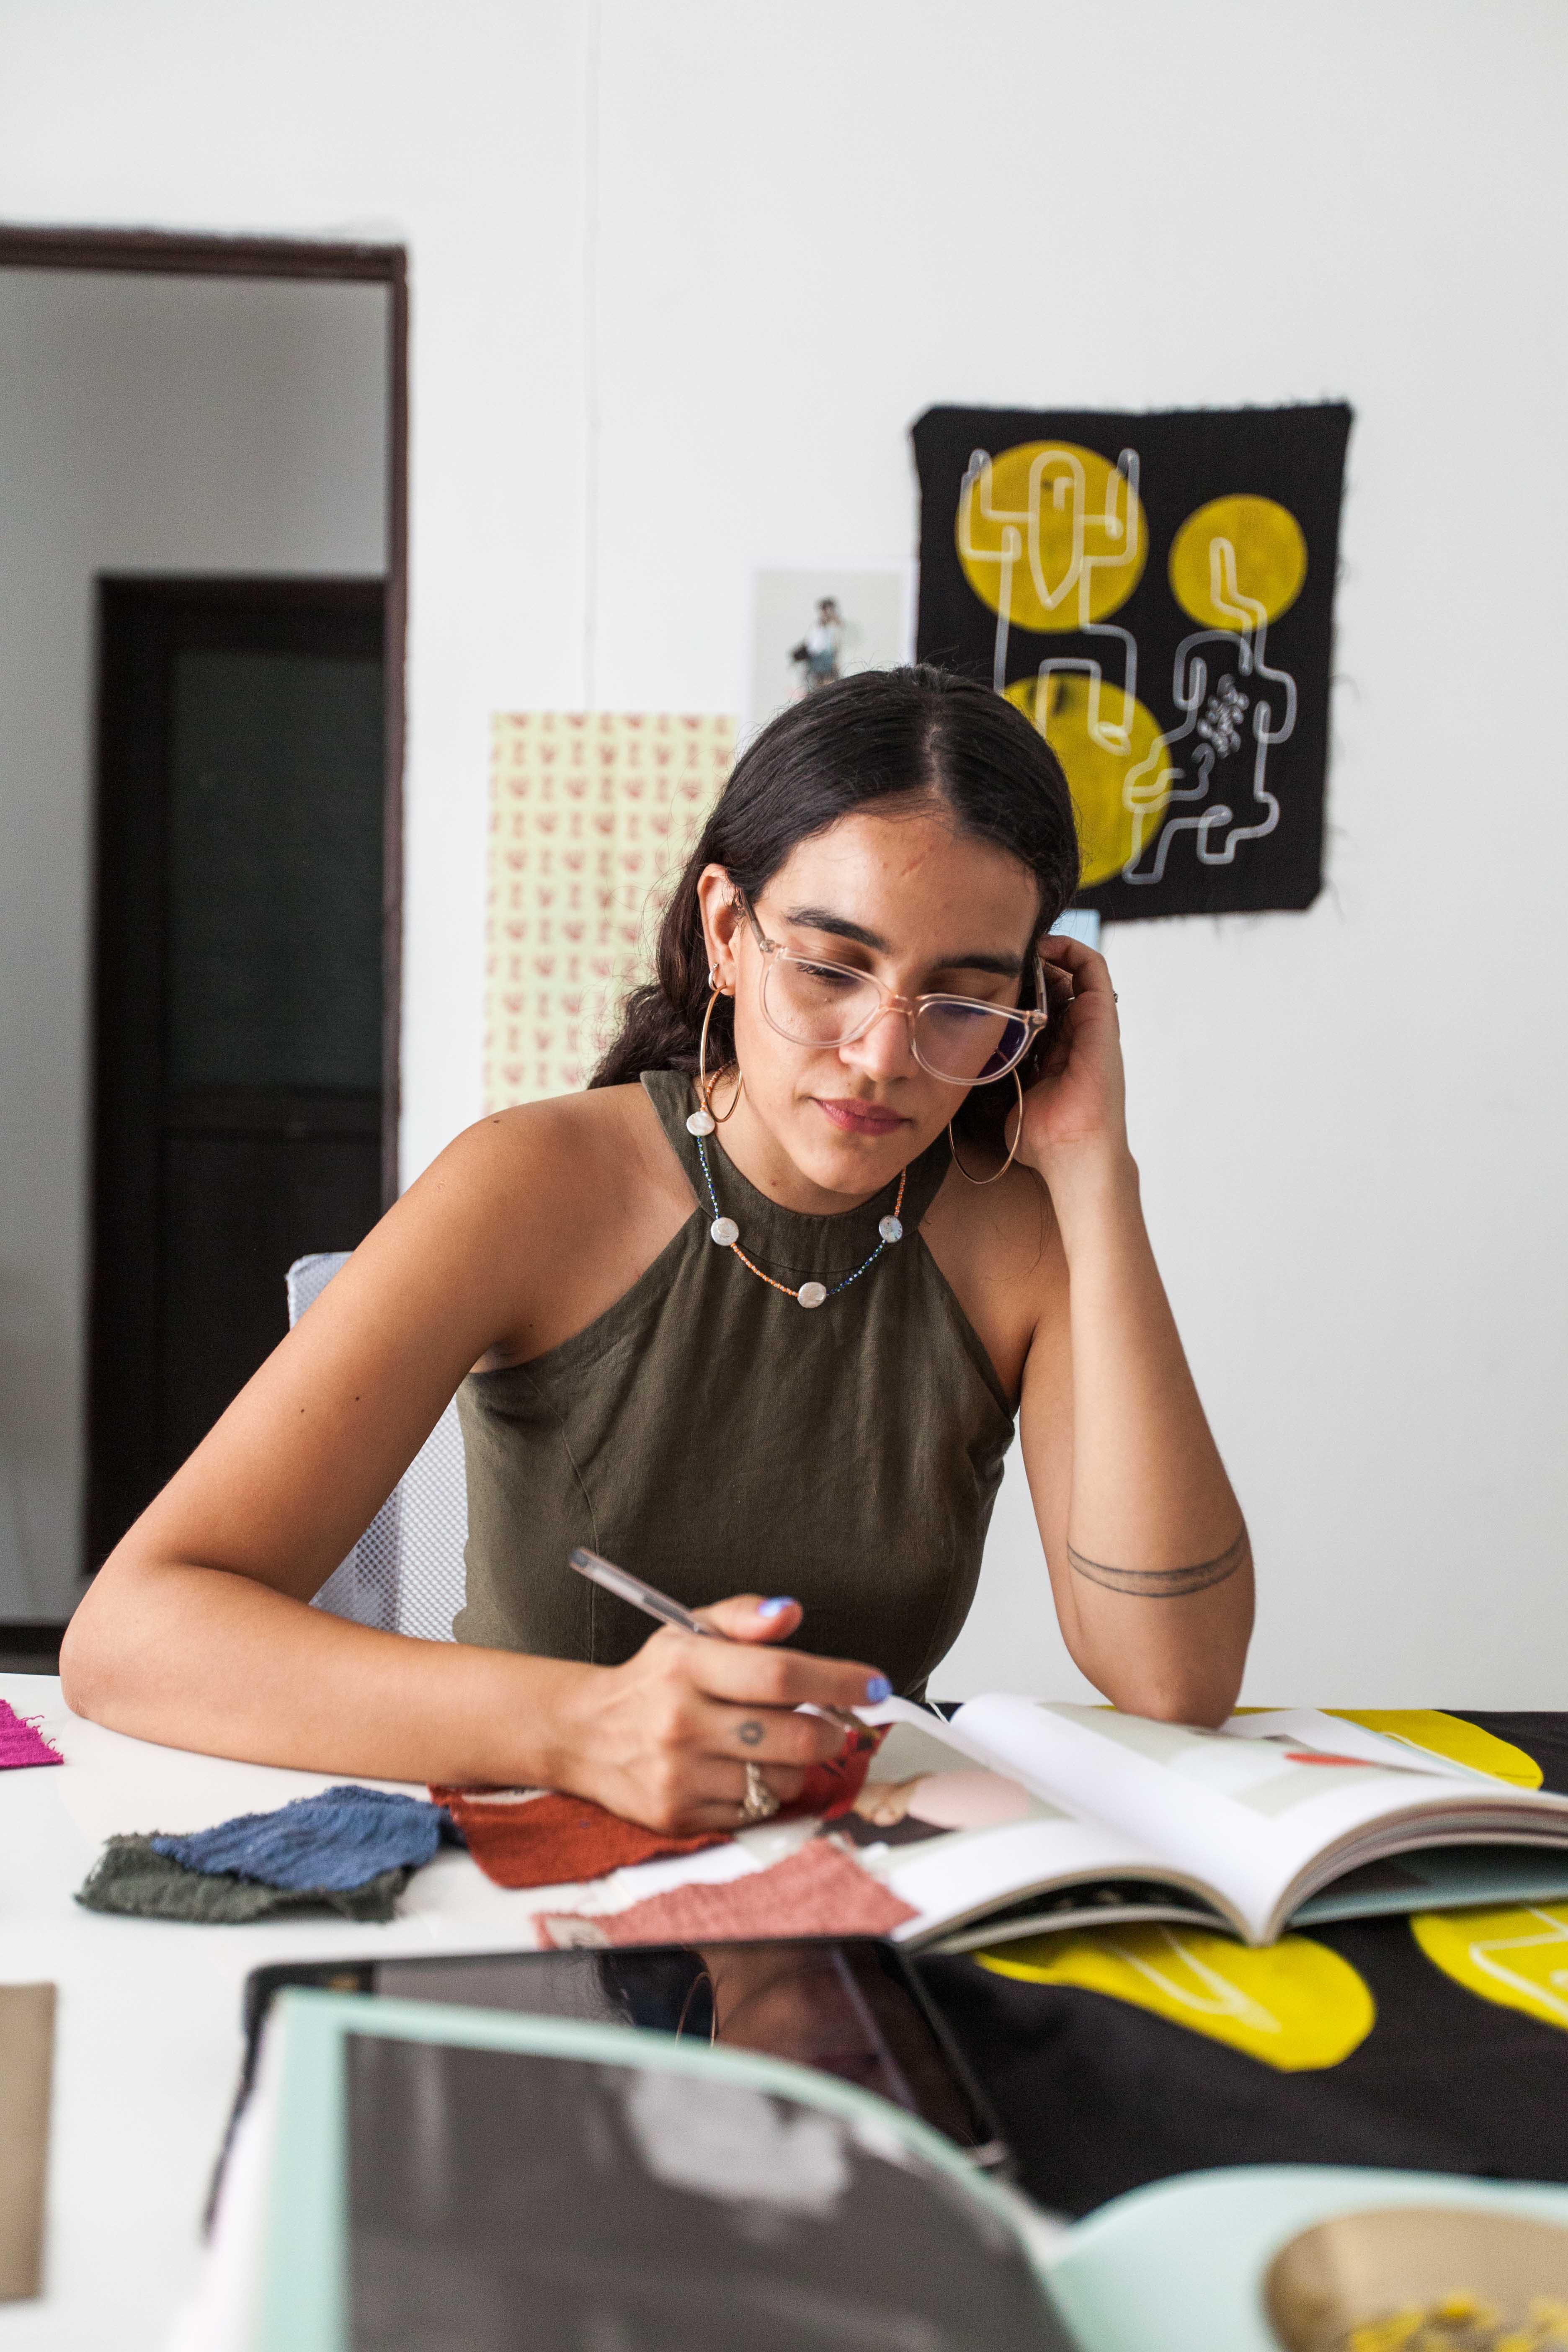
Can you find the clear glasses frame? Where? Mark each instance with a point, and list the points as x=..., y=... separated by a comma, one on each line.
x=1029, y=1022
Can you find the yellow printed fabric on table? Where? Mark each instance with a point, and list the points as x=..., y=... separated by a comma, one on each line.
x=1294, y=2004
x=1438, y=2041
x=593, y=815
x=1516, y=1956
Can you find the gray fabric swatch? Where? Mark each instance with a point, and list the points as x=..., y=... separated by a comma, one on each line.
x=131, y=1876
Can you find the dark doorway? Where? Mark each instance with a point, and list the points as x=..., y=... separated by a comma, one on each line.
x=240, y=1004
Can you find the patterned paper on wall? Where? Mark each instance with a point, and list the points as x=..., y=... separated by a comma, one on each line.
x=593, y=813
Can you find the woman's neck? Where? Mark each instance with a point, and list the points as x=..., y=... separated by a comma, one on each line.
x=751, y=1145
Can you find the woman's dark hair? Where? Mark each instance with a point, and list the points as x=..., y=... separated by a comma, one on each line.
x=882, y=735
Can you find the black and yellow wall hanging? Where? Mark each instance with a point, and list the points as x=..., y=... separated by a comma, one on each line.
x=1156, y=592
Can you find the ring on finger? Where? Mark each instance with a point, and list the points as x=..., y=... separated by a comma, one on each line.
x=759, y=1803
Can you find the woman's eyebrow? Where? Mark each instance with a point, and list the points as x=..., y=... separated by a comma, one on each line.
x=839, y=926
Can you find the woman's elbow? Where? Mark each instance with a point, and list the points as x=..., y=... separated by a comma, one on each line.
x=1200, y=1691
x=86, y=1658
x=80, y=1667
x=1201, y=1701
x=102, y=1656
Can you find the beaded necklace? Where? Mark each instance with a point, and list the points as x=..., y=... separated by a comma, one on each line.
x=727, y=1234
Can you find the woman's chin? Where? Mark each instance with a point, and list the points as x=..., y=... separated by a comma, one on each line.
x=848, y=1160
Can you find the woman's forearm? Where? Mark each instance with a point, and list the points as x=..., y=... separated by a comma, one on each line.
x=1158, y=1574
x=200, y=1658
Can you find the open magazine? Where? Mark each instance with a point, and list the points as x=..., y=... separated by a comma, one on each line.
x=1020, y=1815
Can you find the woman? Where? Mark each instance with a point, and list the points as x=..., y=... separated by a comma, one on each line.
x=753, y=1315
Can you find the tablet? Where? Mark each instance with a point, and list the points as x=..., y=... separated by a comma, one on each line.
x=851, y=2007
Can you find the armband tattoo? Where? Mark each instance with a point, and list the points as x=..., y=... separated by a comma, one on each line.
x=1164, y=1583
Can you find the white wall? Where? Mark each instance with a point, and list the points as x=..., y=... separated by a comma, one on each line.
x=803, y=225
x=146, y=425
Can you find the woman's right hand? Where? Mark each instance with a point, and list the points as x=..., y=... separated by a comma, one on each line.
x=666, y=1739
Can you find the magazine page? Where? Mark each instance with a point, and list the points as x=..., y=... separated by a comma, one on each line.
x=1262, y=1821
x=1309, y=1727
x=958, y=1840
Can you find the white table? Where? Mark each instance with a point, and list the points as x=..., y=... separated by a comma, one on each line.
x=148, y=2038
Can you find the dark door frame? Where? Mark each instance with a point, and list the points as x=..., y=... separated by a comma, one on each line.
x=174, y=254
x=136, y=1433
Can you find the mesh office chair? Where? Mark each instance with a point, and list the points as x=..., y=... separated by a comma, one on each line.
x=405, y=1574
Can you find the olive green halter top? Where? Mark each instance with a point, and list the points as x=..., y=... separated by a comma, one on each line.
x=714, y=1436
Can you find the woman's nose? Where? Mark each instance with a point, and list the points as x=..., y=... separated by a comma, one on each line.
x=884, y=1051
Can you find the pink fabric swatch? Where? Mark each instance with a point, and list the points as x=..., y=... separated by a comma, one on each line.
x=21, y=1741
x=820, y=1891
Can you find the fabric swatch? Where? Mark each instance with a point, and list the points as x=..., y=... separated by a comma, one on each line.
x=22, y=1742
x=820, y=1891
x=27, y=2076
x=334, y=1842
x=131, y=1876
x=832, y=1788
x=539, y=1837
x=534, y=1837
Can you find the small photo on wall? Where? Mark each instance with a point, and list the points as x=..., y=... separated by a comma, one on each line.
x=810, y=627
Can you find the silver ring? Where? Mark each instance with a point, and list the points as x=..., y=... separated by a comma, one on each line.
x=759, y=1804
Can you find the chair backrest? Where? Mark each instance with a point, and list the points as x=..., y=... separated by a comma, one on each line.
x=405, y=1574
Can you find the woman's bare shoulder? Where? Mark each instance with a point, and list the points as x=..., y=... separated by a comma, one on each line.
x=574, y=1155
x=564, y=1203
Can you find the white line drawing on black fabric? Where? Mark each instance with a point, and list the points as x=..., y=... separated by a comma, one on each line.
x=1018, y=531
x=1555, y=2002
x=1153, y=786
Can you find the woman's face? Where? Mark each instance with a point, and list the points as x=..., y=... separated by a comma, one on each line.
x=923, y=908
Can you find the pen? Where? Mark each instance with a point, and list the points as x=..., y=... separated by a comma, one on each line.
x=654, y=1603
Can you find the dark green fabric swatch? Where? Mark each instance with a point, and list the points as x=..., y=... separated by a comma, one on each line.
x=130, y=1877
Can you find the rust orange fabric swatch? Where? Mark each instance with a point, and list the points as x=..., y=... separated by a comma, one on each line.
x=832, y=1788
x=820, y=1891
x=530, y=1837
x=536, y=1837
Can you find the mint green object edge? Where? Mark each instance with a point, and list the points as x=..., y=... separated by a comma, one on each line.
x=1180, y=2265
x=303, y=2300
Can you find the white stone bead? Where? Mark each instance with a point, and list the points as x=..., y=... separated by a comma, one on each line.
x=725, y=1232
x=890, y=1230
x=699, y=1122
x=812, y=1294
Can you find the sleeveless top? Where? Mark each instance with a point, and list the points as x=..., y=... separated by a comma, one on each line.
x=714, y=1437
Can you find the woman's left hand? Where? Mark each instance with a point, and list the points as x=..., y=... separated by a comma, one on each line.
x=1077, y=1106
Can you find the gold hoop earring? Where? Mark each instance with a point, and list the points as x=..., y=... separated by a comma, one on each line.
x=1017, y=1131
x=704, y=1122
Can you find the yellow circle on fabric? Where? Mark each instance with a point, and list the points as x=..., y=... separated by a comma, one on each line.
x=1449, y=1736
x=1102, y=737
x=1236, y=560
x=1052, y=533
x=1296, y=2005
x=1516, y=1958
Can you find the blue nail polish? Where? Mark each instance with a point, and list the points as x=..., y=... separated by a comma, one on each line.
x=877, y=1689
x=774, y=1608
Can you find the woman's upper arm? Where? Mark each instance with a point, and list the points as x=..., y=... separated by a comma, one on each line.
x=292, y=1474
x=1046, y=1415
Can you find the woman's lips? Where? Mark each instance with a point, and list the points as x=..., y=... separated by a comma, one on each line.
x=858, y=1118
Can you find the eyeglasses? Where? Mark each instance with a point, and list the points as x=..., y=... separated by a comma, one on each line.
x=961, y=1040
